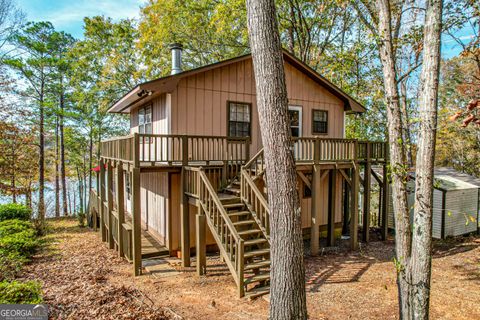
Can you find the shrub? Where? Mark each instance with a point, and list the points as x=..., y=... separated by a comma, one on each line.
x=20, y=292
x=24, y=243
x=14, y=211
x=10, y=264
x=17, y=242
x=9, y=227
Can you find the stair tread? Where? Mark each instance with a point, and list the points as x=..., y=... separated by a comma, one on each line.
x=243, y=222
x=257, y=277
x=259, y=291
x=233, y=205
x=246, y=232
x=255, y=253
x=257, y=265
x=238, y=213
x=255, y=241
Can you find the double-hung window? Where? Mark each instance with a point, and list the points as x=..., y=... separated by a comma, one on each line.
x=320, y=122
x=239, y=119
x=145, y=119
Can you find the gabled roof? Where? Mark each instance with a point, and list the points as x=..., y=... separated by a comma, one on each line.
x=169, y=83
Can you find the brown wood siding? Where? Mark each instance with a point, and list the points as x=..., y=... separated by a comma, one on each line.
x=154, y=202
x=199, y=103
x=160, y=116
x=199, y=107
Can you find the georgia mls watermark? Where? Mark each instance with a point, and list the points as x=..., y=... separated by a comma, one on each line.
x=23, y=312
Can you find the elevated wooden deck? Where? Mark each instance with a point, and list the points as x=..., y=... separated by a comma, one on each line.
x=240, y=223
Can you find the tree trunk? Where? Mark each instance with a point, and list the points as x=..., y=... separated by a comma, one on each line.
x=397, y=157
x=422, y=236
x=57, y=178
x=406, y=122
x=90, y=159
x=287, y=300
x=80, y=190
x=13, y=181
x=41, y=161
x=62, y=152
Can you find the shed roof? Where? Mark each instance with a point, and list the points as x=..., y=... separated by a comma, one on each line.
x=446, y=171
x=450, y=183
x=447, y=179
x=168, y=84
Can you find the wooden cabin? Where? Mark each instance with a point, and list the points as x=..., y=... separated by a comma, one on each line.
x=191, y=173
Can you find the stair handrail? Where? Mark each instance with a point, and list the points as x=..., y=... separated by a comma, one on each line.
x=254, y=161
x=255, y=200
x=208, y=197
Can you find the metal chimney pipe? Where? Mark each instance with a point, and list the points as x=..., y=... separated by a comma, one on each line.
x=176, y=57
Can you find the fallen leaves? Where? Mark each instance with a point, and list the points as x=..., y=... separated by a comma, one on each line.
x=75, y=281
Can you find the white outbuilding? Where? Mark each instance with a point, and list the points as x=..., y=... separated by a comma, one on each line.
x=456, y=203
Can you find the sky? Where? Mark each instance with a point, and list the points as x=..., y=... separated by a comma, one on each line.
x=67, y=15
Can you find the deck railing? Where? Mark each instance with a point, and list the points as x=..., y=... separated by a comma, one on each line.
x=256, y=201
x=167, y=149
x=323, y=149
x=231, y=245
x=176, y=149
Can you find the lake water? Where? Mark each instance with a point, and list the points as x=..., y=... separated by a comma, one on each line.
x=72, y=198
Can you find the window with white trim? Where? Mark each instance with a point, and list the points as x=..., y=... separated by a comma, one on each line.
x=145, y=119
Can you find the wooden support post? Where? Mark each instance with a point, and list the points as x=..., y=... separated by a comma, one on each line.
x=201, y=247
x=354, y=204
x=136, y=219
x=184, y=212
x=332, y=192
x=316, y=202
x=240, y=267
x=110, y=204
x=385, y=201
x=367, y=184
x=120, y=187
x=101, y=206
x=96, y=212
x=346, y=205
x=315, y=218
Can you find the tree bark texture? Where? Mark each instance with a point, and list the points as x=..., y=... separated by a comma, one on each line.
x=406, y=123
x=62, y=151
x=422, y=224
x=397, y=156
x=288, y=298
x=57, y=178
x=41, y=161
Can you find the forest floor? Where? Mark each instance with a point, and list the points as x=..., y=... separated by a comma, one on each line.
x=83, y=279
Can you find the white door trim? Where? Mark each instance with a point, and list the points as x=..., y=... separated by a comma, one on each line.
x=300, y=118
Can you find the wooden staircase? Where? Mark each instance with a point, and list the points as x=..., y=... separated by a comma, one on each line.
x=256, y=255
x=239, y=231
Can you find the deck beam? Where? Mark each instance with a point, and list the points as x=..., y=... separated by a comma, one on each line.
x=102, y=200
x=201, y=248
x=184, y=212
x=110, y=204
x=332, y=193
x=367, y=184
x=120, y=188
x=354, y=209
x=136, y=225
x=315, y=215
x=385, y=204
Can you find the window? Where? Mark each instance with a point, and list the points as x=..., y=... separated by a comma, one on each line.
x=145, y=119
x=239, y=119
x=320, y=122
x=295, y=114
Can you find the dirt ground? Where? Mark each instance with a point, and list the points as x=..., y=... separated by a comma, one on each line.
x=83, y=279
